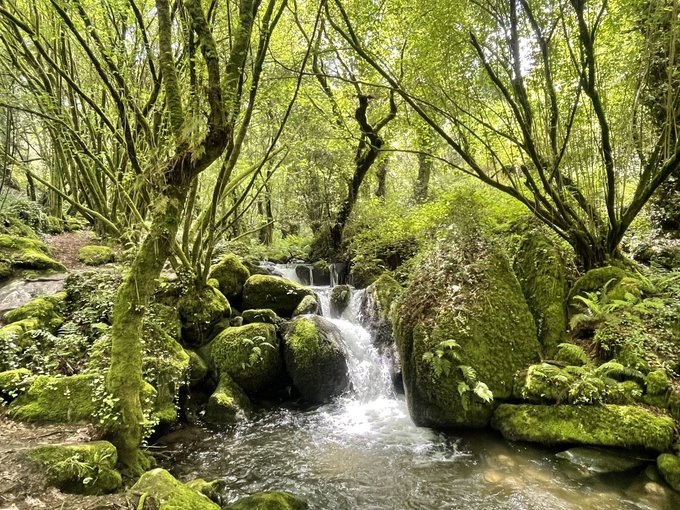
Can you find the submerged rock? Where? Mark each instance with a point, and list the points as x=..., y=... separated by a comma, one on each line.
x=87, y=468
x=596, y=425
x=278, y=294
x=315, y=359
x=273, y=500
x=598, y=460
x=164, y=492
x=231, y=274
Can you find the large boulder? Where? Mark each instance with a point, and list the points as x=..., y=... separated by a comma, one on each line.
x=164, y=492
x=594, y=425
x=315, y=358
x=462, y=328
x=200, y=310
x=27, y=253
x=228, y=403
x=669, y=465
x=375, y=308
x=87, y=468
x=272, y=500
x=341, y=295
x=250, y=355
x=279, y=294
x=231, y=274
x=540, y=271
x=595, y=280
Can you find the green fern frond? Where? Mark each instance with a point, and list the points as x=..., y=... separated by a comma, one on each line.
x=572, y=351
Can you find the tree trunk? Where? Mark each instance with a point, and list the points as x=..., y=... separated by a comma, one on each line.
x=422, y=184
x=381, y=174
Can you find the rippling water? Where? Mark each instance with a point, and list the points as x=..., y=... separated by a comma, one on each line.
x=363, y=452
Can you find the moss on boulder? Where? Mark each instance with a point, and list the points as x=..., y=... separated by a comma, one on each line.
x=543, y=383
x=308, y=305
x=669, y=465
x=595, y=279
x=96, y=255
x=463, y=294
x=657, y=382
x=228, y=403
x=273, y=500
x=53, y=225
x=56, y=399
x=231, y=274
x=200, y=311
x=596, y=425
x=249, y=355
x=261, y=315
x=315, y=359
x=12, y=382
x=375, y=308
x=198, y=369
x=340, y=298
x=46, y=310
x=279, y=294
x=87, y=468
x=162, y=491
x=27, y=253
x=540, y=271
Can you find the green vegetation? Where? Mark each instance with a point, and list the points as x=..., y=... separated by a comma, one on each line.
x=96, y=255
x=270, y=501
x=162, y=491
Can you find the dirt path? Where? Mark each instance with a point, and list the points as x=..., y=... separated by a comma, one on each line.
x=65, y=247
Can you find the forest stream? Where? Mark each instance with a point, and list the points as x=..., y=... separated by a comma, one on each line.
x=363, y=452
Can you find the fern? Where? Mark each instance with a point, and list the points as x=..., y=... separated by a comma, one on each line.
x=613, y=368
x=572, y=351
x=483, y=392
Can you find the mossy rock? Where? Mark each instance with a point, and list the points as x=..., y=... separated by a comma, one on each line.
x=162, y=491
x=165, y=318
x=249, y=355
x=53, y=225
x=47, y=311
x=198, y=369
x=56, y=399
x=13, y=382
x=273, y=500
x=595, y=280
x=375, y=309
x=364, y=273
x=308, y=305
x=231, y=274
x=466, y=293
x=11, y=225
x=27, y=253
x=228, y=403
x=6, y=271
x=211, y=489
x=95, y=255
x=17, y=337
x=200, y=311
x=261, y=315
x=657, y=382
x=669, y=465
x=542, y=383
x=341, y=295
x=279, y=294
x=87, y=468
x=72, y=224
x=540, y=271
x=596, y=425
x=315, y=359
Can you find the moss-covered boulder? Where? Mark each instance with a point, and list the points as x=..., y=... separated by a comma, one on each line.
x=594, y=425
x=341, y=295
x=13, y=382
x=669, y=465
x=227, y=404
x=95, y=255
x=27, y=253
x=47, y=311
x=657, y=382
x=250, y=355
x=56, y=399
x=165, y=318
x=279, y=294
x=273, y=500
x=595, y=280
x=87, y=468
x=211, y=489
x=162, y=491
x=375, y=308
x=198, y=369
x=315, y=359
x=308, y=305
x=201, y=310
x=540, y=271
x=543, y=383
x=231, y=274
x=463, y=308
x=53, y=225
x=261, y=315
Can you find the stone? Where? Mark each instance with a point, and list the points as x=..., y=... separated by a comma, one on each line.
x=669, y=466
x=94, y=255
x=231, y=274
x=261, y=315
x=308, y=305
x=200, y=311
x=13, y=382
x=278, y=294
x=597, y=460
x=27, y=253
x=228, y=403
x=164, y=492
x=340, y=298
x=272, y=500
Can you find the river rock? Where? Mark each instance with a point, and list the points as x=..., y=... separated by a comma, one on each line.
x=539, y=267
x=272, y=500
x=308, y=305
x=231, y=274
x=593, y=425
x=465, y=303
x=228, y=403
x=315, y=358
x=278, y=294
x=200, y=311
x=164, y=491
x=598, y=460
x=669, y=466
x=341, y=295
x=250, y=355
x=375, y=308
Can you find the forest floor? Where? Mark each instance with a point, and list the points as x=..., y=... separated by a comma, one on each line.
x=65, y=247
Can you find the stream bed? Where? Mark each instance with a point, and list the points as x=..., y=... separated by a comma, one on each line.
x=362, y=452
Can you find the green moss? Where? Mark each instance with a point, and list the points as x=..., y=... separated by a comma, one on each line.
x=46, y=310
x=13, y=226
x=595, y=279
x=467, y=294
x=340, y=298
x=270, y=501
x=53, y=225
x=657, y=382
x=669, y=465
x=87, y=468
x=261, y=315
x=198, y=370
x=27, y=253
x=540, y=271
x=17, y=335
x=308, y=305
x=385, y=290
x=211, y=490
x=200, y=311
x=165, y=318
x=599, y=425
x=5, y=270
x=12, y=382
x=164, y=492
x=249, y=355
x=56, y=399
x=71, y=224
x=570, y=355
x=94, y=255
x=231, y=275
x=314, y=359
x=543, y=383
x=228, y=403
x=364, y=272
x=279, y=294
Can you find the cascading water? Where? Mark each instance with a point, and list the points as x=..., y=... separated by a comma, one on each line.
x=363, y=452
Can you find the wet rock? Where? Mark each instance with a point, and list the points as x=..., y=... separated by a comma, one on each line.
x=669, y=466
x=598, y=460
x=315, y=359
x=228, y=403
x=164, y=491
x=308, y=305
x=273, y=500
x=279, y=294
x=340, y=298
